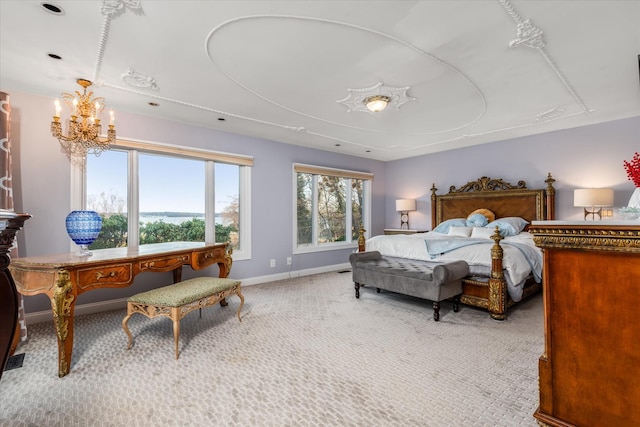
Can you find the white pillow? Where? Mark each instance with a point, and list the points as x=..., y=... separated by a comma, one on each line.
x=482, y=233
x=460, y=231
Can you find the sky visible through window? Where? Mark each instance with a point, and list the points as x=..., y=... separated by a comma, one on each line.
x=167, y=184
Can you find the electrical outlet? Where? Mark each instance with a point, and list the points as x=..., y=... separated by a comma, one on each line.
x=273, y=263
x=288, y=260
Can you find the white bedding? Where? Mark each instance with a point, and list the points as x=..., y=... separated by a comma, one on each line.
x=517, y=267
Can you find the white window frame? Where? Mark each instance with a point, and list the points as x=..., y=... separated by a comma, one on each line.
x=316, y=171
x=78, y=186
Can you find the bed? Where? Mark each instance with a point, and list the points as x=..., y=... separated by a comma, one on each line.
x=505, y=265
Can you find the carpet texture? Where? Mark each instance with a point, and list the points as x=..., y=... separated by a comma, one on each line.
x=307, y=353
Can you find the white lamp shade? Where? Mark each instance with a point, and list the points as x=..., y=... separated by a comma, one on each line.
x=405, y=205
x=593, y=197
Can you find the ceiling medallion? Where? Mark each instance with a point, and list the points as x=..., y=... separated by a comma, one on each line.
x=376, y=98
x=135, y=79
x=528, y=35
x=114, y=8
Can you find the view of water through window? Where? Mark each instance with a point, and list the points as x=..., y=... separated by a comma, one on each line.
x=171, y=198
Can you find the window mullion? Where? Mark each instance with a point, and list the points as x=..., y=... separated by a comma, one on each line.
x=314, y=211
x=209, y=201
x=133, y=205
x=244, y=211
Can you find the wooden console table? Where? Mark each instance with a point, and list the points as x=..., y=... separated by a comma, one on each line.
x=65, y=276
x=589, y=369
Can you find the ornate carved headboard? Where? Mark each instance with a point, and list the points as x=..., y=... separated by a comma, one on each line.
x=502, y=198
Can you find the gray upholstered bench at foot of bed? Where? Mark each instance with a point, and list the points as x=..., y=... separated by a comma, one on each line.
x=434, y=281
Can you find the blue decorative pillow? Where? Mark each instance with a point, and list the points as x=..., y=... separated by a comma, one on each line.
x=509, y=226
x=477, y=220
x=444, y=226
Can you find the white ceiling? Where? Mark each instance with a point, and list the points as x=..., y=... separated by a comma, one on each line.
x=470, y=72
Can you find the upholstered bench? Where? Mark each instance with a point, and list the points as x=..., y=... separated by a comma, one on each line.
x=434, y=281
x=177, y=300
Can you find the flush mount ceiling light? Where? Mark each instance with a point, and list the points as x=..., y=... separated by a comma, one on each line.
x=377, y=103
x=376, y=98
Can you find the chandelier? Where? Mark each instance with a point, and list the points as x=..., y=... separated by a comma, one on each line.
x=83, y=134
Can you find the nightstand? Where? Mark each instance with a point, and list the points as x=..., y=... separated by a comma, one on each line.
x=388, y=231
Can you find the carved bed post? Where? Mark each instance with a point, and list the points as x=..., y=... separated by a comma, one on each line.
x=361, y=239
x=550, y=193
x=433, y=206
x=497, y=283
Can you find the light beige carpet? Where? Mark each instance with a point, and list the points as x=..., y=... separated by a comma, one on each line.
x=307, y=353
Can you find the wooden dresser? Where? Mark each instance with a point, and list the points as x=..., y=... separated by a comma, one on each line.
x=590, y=368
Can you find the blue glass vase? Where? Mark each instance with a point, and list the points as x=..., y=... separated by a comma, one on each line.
x=83, y=227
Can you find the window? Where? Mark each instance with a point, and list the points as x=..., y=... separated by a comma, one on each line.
x=331, y=206
x=162, y=193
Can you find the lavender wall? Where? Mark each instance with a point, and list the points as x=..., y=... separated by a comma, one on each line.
x=581, y=157
x=589, y=156
x=42, y=188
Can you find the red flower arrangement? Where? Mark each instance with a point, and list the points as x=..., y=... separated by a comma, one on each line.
x=633, y=169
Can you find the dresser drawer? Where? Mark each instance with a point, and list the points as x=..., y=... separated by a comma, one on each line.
x=112, y=276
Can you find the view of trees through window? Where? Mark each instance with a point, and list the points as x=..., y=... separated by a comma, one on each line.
x=328, y=206
x=171, y=199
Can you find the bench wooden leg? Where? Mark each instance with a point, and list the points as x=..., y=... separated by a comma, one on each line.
x=241, y=302
x=126, y=328
x=357, y=286
x=175, y=316
x=436, y=311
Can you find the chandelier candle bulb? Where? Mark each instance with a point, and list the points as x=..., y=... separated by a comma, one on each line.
x=112, y=118
x=57, y=104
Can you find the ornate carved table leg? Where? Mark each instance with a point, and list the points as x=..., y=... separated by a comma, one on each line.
x=63, y=303
x=225, y=268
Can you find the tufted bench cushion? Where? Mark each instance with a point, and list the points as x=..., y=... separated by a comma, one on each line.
x=177, y=300
x=434, y=281
x=185, y=292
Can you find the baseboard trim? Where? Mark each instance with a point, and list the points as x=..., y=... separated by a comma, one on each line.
x=116, y=304
x=293, y=273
